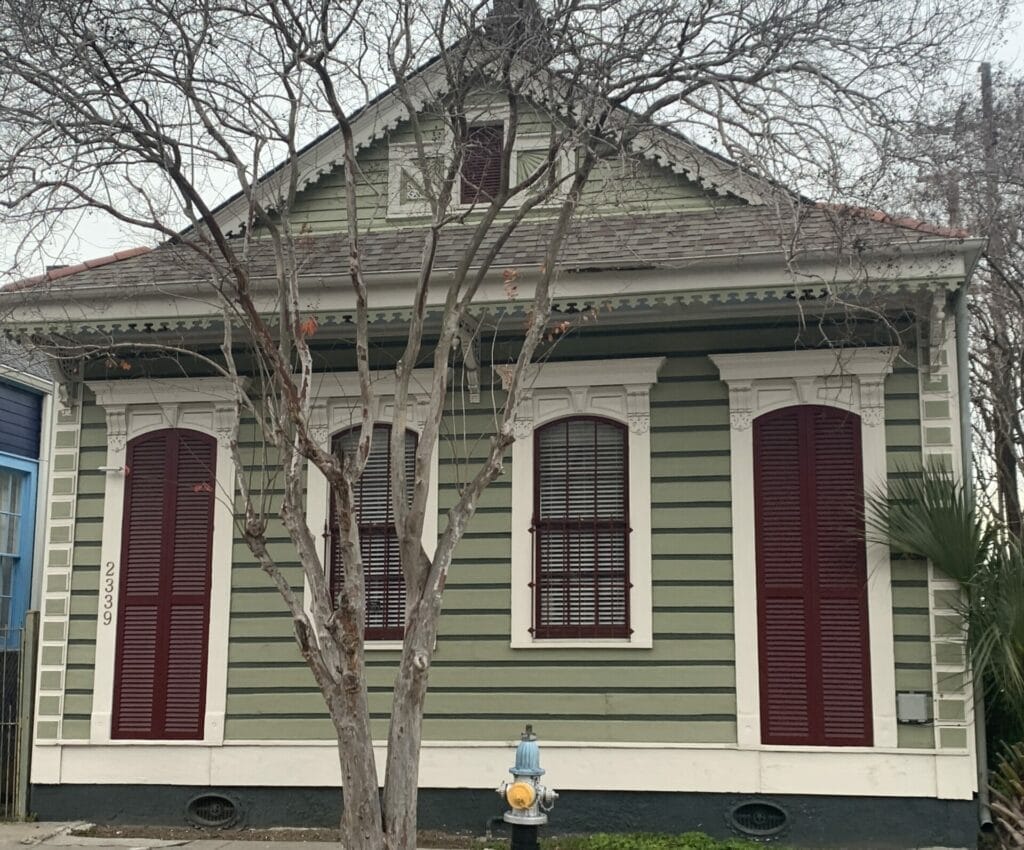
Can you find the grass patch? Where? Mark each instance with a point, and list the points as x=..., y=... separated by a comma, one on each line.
x=430, y=838
x=646, y=841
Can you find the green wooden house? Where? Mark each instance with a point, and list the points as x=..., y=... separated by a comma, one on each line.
x=715, y=645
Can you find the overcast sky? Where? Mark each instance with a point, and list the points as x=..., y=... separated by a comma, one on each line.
x=88, y=235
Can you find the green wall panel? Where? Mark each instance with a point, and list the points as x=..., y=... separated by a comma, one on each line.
x=681, y=690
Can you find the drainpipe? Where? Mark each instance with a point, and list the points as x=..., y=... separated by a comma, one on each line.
x=962, y=326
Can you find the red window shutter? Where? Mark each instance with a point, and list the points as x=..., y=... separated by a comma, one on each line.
x=581, y=529
x=481, y=163
x=781, y=593
x=811, y=578
x=163, y=611
x=378, y=540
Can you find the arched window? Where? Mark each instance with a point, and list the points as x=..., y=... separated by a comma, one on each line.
x=813, y=647
x=581, y=529
x=378, y=539
x=164, y=600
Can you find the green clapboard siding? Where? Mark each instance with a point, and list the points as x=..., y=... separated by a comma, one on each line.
x=681, y=690
x=617, y=183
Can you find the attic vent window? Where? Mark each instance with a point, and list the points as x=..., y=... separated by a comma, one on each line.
x=481, y=163
x=212, y=810
x=758, y=818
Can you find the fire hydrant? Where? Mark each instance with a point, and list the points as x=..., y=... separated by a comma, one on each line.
x=529, y=799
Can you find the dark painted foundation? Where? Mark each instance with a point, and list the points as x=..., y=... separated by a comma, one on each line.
x=876, y=822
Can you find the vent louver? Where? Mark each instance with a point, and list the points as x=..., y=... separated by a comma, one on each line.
x=212, y=810
x=758, y=819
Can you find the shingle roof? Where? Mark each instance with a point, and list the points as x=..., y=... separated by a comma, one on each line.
x=661, y=240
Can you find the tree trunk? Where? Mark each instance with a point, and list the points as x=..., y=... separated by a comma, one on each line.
x=361, y=823
x=401, y=780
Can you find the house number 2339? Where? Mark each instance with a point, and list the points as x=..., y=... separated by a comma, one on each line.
x=108, y=593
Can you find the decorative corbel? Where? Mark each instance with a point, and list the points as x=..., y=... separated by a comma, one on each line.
x=936, y=330
x=638, y=409
x=117, y=431
x=872, y=402
x=418, y=411
x=467, y=343
x=741, y=405
x=319, y=428
x=522, y=427
x=225, y=421
x=505, y=372
x=67, y=375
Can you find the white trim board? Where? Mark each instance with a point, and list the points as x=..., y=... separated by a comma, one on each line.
x=853, y=380
x=402, y=160
x=135, y=407
x=585, y=766
x=729, y=280
x=619, y=390
x=337, y=407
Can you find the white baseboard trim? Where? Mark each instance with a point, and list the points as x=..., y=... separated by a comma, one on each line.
x=569, y=766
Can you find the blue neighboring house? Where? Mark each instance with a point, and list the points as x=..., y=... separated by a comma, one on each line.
x=26, y=394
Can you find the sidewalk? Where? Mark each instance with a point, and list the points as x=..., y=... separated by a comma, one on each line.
x=48, y=836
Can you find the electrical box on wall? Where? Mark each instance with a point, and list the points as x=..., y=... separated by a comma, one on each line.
x=913, y=707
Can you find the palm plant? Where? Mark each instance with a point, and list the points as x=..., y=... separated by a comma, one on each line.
x=1008, y=796
x=933, y=516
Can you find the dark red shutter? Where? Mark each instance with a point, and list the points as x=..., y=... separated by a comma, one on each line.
x=581, y=529
x=811, y=578
x=481, y=163
x=163, y=610
x=378, y=540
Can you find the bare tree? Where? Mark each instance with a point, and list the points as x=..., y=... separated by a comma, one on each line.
x=968, y=164
x=148, y=110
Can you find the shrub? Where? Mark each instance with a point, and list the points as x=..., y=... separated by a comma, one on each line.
x=1008, y=796
x=646, y=841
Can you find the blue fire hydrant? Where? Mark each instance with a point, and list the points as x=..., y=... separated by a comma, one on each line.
x=530, y=800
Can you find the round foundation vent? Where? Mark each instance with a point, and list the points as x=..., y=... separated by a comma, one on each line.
x=212, y=810
x=758, y=818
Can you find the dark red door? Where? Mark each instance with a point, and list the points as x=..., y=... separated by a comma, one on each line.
x=163, y=610
x=813, y=643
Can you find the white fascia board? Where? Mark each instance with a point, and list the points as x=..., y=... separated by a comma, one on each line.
x=321, y=157
x=743, y=275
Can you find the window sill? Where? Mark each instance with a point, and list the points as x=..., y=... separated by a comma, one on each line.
x=409, y=213
x=375, y=645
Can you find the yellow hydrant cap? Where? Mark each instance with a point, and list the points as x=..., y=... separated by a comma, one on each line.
x=520, y=795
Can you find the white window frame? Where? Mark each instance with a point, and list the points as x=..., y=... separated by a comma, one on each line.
x=337, y=407
x=135, y=407
x=759, y=382
x=402, y=155
x=615, y=389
